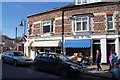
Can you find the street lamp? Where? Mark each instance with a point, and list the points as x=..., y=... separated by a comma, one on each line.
x=24, y=25
x=16, y=33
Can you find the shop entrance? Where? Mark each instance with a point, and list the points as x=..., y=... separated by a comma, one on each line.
x=110, y=47
x=95, y=47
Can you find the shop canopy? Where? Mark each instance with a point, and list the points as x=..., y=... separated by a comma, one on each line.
x=46, y=44
x=77, y=43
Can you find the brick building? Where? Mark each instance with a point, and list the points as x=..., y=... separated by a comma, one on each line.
x=75, y=29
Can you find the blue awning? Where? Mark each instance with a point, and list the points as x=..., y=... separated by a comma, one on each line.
x=77, y=43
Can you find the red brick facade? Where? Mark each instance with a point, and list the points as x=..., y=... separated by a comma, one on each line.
x=98, y=21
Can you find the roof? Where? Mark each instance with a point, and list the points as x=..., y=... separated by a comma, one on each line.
x=66, y=7
x=54, y=9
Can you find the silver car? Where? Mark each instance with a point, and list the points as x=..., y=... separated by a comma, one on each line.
x=116, y=70
x=16, y=58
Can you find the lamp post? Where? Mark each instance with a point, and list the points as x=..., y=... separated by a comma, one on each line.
x=24, y=25
x=16, y=33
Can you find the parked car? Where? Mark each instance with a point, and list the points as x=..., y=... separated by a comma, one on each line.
x=116, y=70
x=16, y=58
x=57, y=63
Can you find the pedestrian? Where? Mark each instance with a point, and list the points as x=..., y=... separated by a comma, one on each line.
x=98, y=60
x=37, y=52
x=115, y=58
x=111, y=60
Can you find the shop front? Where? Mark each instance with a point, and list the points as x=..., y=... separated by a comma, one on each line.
x=53, y=46
x=42, y=46
x=78, y=50
x=105, y=43
x=77, y=46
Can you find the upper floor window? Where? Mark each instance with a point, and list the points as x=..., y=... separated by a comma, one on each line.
x=82, y=1
x=81, y=24
x=30, y=29
x=110, y=22
x=47, y=26
x=86, y=1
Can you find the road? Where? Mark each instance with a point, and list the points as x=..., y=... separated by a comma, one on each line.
x=27, y=72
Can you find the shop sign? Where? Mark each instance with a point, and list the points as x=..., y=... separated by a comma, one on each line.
x=81, y=37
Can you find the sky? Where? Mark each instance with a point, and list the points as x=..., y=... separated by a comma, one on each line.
x=14, y=12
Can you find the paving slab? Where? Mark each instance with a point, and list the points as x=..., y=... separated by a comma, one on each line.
x=91, y=70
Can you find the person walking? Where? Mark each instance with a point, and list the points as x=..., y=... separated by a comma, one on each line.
x=38, y=52
x=98, y=60
x=111, y=60
x=115, y=58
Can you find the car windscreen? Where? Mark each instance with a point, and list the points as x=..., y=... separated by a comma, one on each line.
x=18, y=54
x=63, y=58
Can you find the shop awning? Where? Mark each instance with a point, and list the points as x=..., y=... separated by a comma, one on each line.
x=46, y=44
x=77, y=43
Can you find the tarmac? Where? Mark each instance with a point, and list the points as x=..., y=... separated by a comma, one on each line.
x=91, y=70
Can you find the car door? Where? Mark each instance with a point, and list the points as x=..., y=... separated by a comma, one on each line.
x=42, y=61
x=53, y=63
x=6, y=56
x=11, y=57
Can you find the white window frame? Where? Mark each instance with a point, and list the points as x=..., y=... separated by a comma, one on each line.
x=79, y=2
x=50, y=23
x=75, y=24
x=110, y=21
x=82, y=1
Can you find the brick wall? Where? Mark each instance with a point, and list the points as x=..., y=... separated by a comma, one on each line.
x=98, y=24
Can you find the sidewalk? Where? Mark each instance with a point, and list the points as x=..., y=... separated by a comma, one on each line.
x=91, y=70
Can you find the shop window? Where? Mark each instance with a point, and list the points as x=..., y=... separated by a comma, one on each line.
x=58, y=49
x=52, y=49
x=110, y=22
x=42, y=49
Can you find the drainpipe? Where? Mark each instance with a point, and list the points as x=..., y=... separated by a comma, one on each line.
x=62, y=47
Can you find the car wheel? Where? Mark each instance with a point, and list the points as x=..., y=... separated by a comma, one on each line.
x=15, y=63
x=36, y=68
